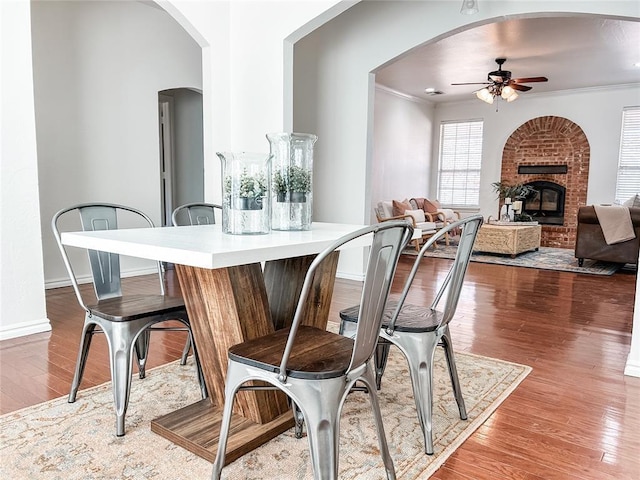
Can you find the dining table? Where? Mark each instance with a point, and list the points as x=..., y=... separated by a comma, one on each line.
x=236, y=288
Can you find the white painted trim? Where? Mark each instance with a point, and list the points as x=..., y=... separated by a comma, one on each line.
x=25, y=328
x=403, y=95
x=632, y=369
x=350, y=276
x=65, y=282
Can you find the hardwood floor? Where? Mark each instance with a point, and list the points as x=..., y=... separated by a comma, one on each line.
x=576, y=416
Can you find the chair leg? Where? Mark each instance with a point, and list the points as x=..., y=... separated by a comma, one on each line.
x=122, y=340
x=230, y=390
x=368, y=379
x=185, y=351
x=419, y=351
x=381, y=356
x=83, y=351
x=453, y=372
x=196, y=359
x=142, y=351
x=298, y=419
x=321, y=409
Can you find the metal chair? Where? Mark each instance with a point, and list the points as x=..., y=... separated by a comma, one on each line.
x=417, y=330
x=126, y=320
x=196, y=213
x=317, y=368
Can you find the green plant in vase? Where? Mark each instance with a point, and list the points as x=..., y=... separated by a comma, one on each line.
x=251, y=190
x=519, y=192
x=294, y=180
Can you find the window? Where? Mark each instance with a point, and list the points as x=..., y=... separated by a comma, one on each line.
x=459, y=163
x=628, y=183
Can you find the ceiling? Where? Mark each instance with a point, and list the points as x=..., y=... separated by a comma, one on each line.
x=572, y=52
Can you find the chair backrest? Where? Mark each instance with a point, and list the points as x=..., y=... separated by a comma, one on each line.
x=105, y=267
x=452, y=284
x=195, y=214
x=383, y=210
x=389, y=238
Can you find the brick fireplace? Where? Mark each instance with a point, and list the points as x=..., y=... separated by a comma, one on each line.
x=553, y=151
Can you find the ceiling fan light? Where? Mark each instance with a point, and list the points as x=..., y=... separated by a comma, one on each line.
x=509, y=94
x=485, y=95
x=469, y=7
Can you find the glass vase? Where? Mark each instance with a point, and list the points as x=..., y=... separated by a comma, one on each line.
x=292, y=180
x=245, y=193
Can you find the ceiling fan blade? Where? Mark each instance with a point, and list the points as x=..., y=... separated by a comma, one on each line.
x=530, y=79
x=522, y=88
x=472, y=83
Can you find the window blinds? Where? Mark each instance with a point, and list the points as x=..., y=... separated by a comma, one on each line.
x=459, y=163
x=628, y=183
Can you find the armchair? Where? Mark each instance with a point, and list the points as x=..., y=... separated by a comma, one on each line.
x=417, y=218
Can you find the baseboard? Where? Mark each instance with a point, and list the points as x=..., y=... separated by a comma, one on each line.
x=65, y=282
x=25, y=328
x=350, y=276
x=632, y=368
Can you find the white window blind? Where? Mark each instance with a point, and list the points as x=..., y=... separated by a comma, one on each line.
x=628, y=183
x=459, y=163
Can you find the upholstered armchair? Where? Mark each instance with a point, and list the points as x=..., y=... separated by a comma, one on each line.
x=441, y=216
x=386, y=211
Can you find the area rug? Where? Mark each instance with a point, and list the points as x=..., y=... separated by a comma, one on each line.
x=546, y=258
x=59, y=440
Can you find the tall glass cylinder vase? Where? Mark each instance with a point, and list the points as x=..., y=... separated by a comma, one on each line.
x=245, y=193
x=292, y=180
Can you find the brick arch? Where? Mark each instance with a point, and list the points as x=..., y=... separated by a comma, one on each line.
x=551, y=141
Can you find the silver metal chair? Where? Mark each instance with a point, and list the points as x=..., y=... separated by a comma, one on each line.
x=417, y=330
x=126, y=320
x=317, y=368
x=195, y=213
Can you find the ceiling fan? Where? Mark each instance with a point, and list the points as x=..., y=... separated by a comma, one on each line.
x=501, y=84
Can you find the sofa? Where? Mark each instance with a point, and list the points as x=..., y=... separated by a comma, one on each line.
x=590, y=242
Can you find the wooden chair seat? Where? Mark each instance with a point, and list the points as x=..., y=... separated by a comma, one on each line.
x=132, y=307
x=412, y=318
x=318, y=354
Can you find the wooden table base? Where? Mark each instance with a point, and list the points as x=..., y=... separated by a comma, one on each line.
x=227, y=306
x=197, y=426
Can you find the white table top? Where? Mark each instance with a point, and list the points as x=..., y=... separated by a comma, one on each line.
x=207, y=247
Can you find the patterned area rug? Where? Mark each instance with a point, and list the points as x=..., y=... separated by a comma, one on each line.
x=59, y=440
x=545, y=258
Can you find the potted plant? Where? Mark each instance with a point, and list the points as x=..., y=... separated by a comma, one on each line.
x=519, y=192
x=251, y=190
x=292, y=180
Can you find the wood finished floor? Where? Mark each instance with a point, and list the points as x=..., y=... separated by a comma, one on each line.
x=576, y=416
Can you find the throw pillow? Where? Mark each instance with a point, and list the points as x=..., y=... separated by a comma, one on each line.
x=431, y=206
x=418, y=215
x=633, y=201
x=400, y=207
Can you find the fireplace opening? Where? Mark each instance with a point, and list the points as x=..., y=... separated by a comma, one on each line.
x=547, y=204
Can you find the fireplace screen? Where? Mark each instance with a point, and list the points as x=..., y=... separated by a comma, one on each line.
x=547, y=204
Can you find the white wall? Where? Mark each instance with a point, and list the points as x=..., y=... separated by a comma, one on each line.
x=597, y=111
x=22, y=306
x=98, y=68
x=402, y=134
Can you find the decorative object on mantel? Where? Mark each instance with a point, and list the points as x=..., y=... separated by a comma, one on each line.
x=513, y=197
x=245, y=192
x=291, y=186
